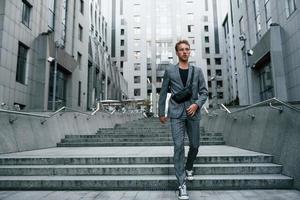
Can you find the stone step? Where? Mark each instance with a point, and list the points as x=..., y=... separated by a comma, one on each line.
x=136, y=129
x=112, y=144
x=143, y=134
x=152, y=169
x=109, y=138
x=112, y=160
x=134, y=136
x=143, y=182
x=134, y=132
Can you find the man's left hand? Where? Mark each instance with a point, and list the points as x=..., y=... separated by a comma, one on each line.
x=192, y=109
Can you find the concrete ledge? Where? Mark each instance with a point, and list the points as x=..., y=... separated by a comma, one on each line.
x=269, y=132
x=27, y=133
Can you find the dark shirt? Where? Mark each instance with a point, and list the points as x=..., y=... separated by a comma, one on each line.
x=184, y=75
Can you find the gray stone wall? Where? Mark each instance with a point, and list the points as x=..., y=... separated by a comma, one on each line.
x=268, y=132
x=27, y=133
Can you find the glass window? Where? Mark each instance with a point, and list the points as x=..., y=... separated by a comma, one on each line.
x=79, y=94
x=218, y=72
x=218, y=61
x=257, y=18
x=209, y=83
x=121, y=7
x=207, y=51
x=122, y=53
x=137, y=30
x=79, y=57
x=26, y=13
x=266, y=82
x=81, y=6
x=136, y=8
x=137, y=66
x=137, y=54
x=122, y=42
x=80, y=32
x=241, y=25
x=137, y=79
x=290, y=7
x=137, y=92
x=268, y=13
x=220, y=95
x=61, y=88
x=51, y=15
x=219, y=84
x=208, y=62
x=21, y=63
x=206, y=28
x=190, y=28
x=208, y=72
x=136, y=42
x=137, y=18
x=206, y=38
x=122, y=31
x=190, y=17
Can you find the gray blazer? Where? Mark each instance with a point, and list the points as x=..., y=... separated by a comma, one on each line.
x=173, y=81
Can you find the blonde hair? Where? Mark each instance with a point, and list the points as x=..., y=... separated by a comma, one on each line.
x=181, y=42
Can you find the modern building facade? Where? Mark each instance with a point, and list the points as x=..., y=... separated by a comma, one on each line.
x=154, y=27
x=41, y=40
x=266, y=47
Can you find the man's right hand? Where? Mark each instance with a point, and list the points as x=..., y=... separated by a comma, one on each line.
x=162, y=119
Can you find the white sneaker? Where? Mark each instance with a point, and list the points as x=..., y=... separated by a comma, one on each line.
x=189, y=175
x=182, y=192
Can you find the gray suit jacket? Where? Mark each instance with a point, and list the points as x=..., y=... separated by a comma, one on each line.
x=173, y=81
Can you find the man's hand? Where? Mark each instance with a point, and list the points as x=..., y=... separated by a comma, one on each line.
x=162, y=119
x=192, y=109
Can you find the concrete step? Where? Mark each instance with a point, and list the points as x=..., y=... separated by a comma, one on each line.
x=135, y=129
x=132, y=136
x=153, y=169
x=138, y=132
x=112, y=160
x=143, y=182
x=107, y=144
x=109, y=138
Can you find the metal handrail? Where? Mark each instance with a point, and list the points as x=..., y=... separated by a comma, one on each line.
x=74, y=110
x=49, y=116
x=23, y=113
x=264, y=102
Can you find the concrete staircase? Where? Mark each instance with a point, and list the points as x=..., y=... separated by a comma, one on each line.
x=136, y=156
x=138, y=133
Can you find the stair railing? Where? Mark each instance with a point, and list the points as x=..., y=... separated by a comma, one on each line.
x=268, y=101
x=46, y=117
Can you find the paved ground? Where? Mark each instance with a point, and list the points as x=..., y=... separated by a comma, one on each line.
x=151, y=195
x=215, y=150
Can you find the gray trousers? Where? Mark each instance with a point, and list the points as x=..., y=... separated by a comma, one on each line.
x=178, y=128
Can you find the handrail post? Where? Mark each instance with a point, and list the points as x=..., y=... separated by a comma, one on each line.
x=227, y=110
x=280, y=109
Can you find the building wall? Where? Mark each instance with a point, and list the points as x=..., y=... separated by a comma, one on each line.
x=291, y=46
x=71, y=29
x=276, y=42
x=12, y=32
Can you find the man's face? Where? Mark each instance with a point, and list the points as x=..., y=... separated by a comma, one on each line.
x=183, y=52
